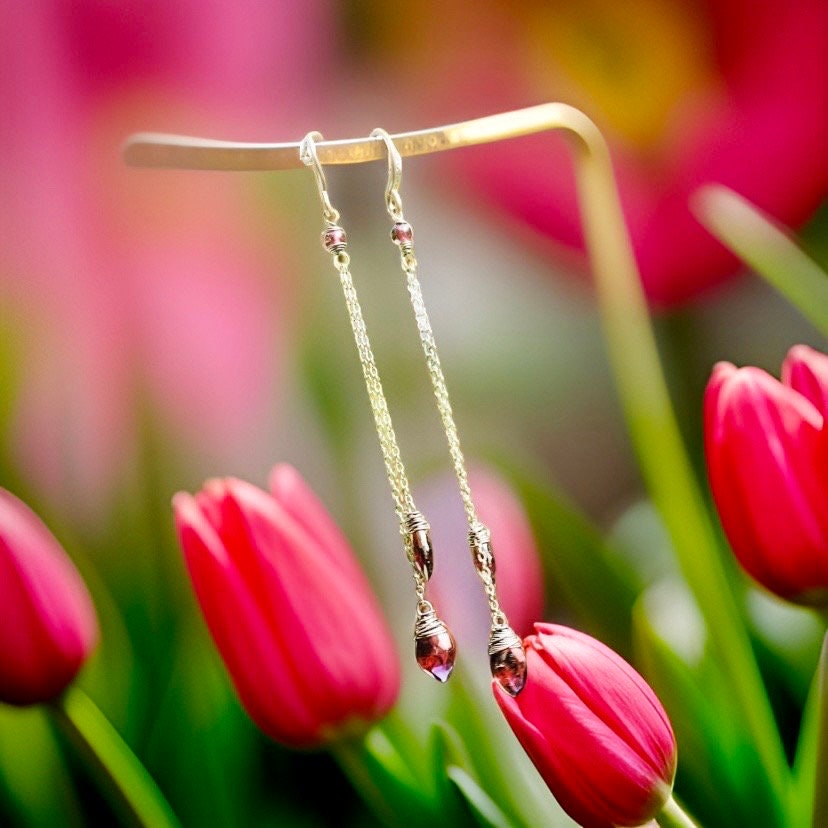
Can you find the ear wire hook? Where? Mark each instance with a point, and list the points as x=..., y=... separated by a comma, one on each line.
x=309, y=157
x=392, y=188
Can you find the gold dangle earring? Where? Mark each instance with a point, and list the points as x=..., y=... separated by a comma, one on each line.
x=507, y=659
x=434, y=645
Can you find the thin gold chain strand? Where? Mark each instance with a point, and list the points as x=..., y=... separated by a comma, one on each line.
x=507, y=657
x=438, y=383
x=400, y=489
x=479, y=537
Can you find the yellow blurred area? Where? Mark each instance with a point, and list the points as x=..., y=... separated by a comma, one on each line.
x=630, y=62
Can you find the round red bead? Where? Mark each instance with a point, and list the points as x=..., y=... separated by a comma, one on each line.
x=402, y=233
x=334, y=238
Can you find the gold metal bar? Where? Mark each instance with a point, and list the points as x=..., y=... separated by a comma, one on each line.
x=153, y=149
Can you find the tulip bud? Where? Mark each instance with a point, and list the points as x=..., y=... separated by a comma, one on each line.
x=806, y=371
x=594, y=729
x=288, y=607
x=48, y=624
x=766, y=444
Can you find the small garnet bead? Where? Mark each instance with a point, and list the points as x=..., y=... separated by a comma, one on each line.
x=334, y=239
x=402, y=233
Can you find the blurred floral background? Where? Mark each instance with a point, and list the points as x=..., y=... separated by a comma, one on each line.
x=163, y=327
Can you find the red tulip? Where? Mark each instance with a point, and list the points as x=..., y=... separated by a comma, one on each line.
x=289, y=609
x=48, y=624
x=595, y=730
x=767, y=460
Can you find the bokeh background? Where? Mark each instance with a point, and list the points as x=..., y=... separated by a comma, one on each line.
x=160, y=327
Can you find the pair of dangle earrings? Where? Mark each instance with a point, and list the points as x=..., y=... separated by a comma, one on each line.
x=434, y=645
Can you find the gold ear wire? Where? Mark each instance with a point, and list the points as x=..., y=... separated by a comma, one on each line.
x=392, y=188
x=310, y=158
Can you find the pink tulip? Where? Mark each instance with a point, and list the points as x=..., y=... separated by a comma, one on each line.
x=687, y=93
x=48, y=624
x=136, y=289
x=767, y=454
x=594, y=729
x=289, y=609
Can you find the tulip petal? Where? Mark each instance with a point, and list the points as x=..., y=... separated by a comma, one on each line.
x=594, y=729
x=538, y=748
x=54, y=624
x=806, y=371
x=241, y=630
x=301, y=503
x=763, y=444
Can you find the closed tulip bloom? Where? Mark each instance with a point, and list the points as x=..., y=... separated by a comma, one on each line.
x=288, y=607
x=593, y=728
x=767, y=460
x=48, y=625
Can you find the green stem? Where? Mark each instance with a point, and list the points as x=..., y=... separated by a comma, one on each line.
x=673, y=816
x=820, y=782
x=661, y=453
x=123, y=779
x=351, y=757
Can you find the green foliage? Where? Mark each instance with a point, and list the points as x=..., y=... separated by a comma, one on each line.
x=766, y=248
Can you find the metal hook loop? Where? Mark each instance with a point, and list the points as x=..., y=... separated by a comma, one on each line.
x=309, y=157
x=392, y=187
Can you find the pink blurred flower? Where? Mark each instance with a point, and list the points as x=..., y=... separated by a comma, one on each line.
x=767, y=453
x=124, y=281
x=289, y=609
x=594, y=729
x=519, y=571
x=687, y=93
x=48, y=624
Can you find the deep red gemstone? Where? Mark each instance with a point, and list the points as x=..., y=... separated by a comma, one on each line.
x=509, y=669
x=436, y=653
x=402, y=233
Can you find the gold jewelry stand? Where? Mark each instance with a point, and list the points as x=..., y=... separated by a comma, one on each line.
x=153, y=149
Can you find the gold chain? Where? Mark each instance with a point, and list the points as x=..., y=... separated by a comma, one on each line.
x=438, y=383
x=400, y=488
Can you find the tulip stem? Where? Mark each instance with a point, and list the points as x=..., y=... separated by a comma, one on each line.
x=123, y=779
x=673, y=816
x=662, y=456
x=348, y=756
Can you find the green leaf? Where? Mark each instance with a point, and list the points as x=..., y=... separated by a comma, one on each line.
x=114, y=767
x=447, y=750
x=788, y=639
x=719, y=774
x=805, y=760
x=33, y=772
x=811, y=766
x=765, y=247
x=483, y=807
x=201, y=742
x=498, y=762
x=379, y=766
x=581, y=568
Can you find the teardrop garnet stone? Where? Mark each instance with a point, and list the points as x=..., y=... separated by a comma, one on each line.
x=436, y=653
